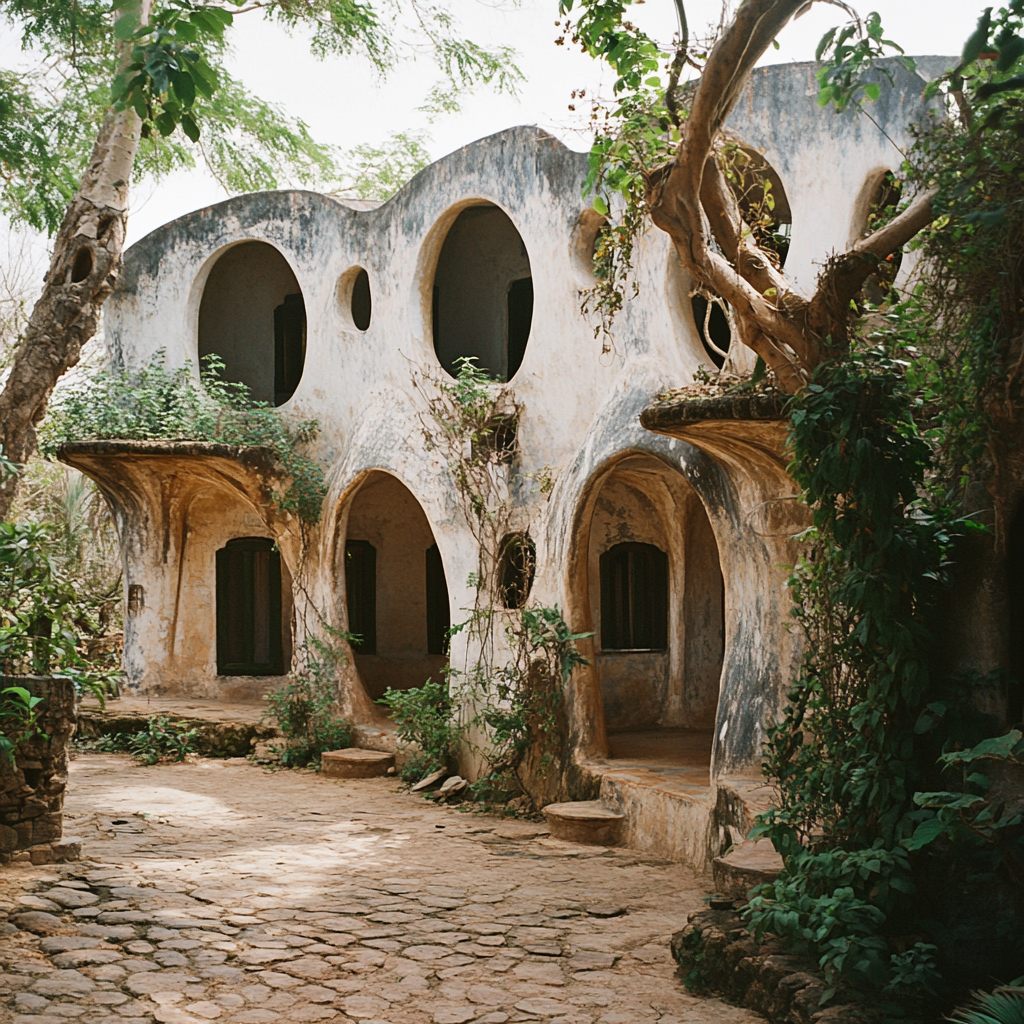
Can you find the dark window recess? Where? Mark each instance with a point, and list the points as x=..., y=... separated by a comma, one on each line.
x=438, y=610
x=249, y=608
x=517, y=560
x=435, y=315
x=715, y=333
x=362, y=303
x=520, y=317
x=497, y=441
x=289, y=346
x=634, y=598
x=361, y=594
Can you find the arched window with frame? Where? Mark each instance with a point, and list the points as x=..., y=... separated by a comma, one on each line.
x=634, y=598
x=249, y=608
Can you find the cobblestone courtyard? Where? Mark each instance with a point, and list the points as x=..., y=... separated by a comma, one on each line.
x=218, y=891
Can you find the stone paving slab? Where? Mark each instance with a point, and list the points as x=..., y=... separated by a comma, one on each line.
x=218, y=891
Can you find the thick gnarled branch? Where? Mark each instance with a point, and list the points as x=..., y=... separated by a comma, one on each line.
x=689, y=195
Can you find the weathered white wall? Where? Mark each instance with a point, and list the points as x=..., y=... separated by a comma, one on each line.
x=579, y=408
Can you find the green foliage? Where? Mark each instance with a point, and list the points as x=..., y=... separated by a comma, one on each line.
x=19, y=720
x=176, y=78
x=165, y=72
x=851, y=67
x=161, y=740
x=44, y=619
x=425, y=721
x=306, y=707
x=845, y=757
x=378, y=172
x=1004, y=1005
x=156, y=402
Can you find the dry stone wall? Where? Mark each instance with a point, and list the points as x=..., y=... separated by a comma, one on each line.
x=32, y=788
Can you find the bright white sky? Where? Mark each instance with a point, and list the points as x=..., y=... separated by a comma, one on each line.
x=342, y=104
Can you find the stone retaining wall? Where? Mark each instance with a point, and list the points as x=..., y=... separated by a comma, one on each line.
x=32, y=788
x=716, y=954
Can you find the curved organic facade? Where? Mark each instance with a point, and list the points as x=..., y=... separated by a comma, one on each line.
x=668, y=543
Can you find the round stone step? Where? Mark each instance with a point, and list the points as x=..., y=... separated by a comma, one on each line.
x=584, y=821
x=355, y=763
x=753, y=862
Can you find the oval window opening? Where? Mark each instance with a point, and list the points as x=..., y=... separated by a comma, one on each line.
x=712, y=320
x=483, y=294
x=762, y=199
x=252, y=316
x=362, y=302
x=517, y=560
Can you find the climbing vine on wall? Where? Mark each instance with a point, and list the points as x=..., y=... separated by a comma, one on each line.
x=520, y=658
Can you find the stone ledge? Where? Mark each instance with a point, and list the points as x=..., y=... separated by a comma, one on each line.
x=665, y=416
x=64, y=851
x=584, y=821
x=217, y=738
x=744, y=866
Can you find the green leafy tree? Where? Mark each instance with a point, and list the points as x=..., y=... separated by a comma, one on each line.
x=137, y=89
x=901, y=421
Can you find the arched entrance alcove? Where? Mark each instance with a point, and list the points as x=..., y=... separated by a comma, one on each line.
x=482, y=300
x=394, y=588
x=654, y=588
x=253, y=316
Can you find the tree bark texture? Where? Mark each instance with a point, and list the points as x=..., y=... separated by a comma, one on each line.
x=83, y=271
x=689, y=198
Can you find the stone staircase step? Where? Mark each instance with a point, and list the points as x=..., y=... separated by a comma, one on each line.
x=355, y=763
x=584, y=821
x=744, y=866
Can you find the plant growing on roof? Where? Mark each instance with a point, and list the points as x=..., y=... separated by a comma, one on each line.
x=156, y=402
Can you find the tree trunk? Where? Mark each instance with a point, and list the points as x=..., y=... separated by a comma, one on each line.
x=83, y=271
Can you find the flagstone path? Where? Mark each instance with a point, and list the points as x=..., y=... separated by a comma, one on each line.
x=219, y=891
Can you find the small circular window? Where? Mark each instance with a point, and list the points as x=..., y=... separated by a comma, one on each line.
x=354, y=299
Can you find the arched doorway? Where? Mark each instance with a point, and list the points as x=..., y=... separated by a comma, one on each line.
x=253, y=316
x=395, y=592
x=656, y=594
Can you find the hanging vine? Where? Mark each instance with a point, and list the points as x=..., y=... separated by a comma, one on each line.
x=520, y=658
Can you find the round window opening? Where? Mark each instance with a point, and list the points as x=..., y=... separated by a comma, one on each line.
x=355, y=301
x=253, y=318
x=483, y=294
